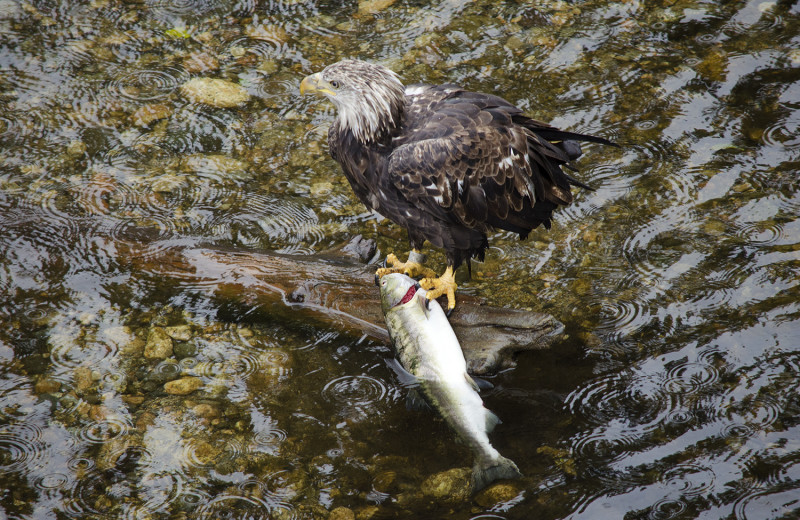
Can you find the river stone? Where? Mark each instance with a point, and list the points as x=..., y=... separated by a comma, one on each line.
x=342, y=513
x=215, y=92
x=373, y=6
x=47, y=386
x=183, y=386
x=498, y=493
x=451, y=485
x=151, y=113
x=368, y=512
x=83, y=379
x=179, y=332
x=268, y=32
x=159, y=344
x=200, y=62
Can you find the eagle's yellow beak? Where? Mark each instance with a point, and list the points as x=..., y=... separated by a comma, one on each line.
x=315, y=83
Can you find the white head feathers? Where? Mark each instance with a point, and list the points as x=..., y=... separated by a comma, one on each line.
x=369, y=98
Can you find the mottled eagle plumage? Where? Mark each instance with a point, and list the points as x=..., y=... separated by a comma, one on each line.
x=447, y=164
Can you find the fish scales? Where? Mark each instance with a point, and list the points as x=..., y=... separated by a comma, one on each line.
x=428, y=349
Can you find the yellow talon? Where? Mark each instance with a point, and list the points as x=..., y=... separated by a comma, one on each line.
x=445, y=284
x=412, y=267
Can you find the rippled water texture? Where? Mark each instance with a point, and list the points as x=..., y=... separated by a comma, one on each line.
x=128, y=391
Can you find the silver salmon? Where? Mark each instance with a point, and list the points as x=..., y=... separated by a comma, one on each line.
x=428, y=349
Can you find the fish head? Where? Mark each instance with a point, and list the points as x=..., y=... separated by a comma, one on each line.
x=399, y=290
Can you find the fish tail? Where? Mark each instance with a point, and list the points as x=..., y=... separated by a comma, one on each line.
x=489, y=469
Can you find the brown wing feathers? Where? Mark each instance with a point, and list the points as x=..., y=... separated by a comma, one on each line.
x=476, y=161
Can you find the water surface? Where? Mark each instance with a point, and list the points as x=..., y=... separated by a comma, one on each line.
x=673, y=393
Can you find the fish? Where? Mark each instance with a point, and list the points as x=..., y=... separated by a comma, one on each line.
x=428, y=350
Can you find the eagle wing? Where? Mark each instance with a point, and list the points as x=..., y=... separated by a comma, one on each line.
x=474, y=160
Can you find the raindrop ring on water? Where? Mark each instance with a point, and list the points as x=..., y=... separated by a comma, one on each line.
x=690, y=378
x=354, y=390
x=666, y=508
x=102, y=431
x=147, y=84
x=689, y=479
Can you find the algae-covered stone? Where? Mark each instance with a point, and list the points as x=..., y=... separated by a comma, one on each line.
x=497, y=493
x=368, y=512
x=179, y=332
x=342, y=513
x=215, y=92
x=183, y=386
x=82, y=378
x=452, y=485
x=159, y=344
x=268, y=32
x=200, y=62
x=46, y=385
x=148, y=114
x=373, y=6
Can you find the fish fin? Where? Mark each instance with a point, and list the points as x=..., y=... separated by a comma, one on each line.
x=424, y=304
x=415, y=401
x=491, y=420
x=490, y=469
x=406, y=378
x=483, y=384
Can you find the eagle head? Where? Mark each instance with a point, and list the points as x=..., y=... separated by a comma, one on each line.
x=369, y=98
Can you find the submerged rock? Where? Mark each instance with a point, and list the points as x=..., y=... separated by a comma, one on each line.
x=179, y=332
x=183, y=386
x=452, y=485
x=200, y=62
x=159, y=344
x=342, y=513
x=215, y=92
x=148, y=114
x=46, y=385
x=497, y=493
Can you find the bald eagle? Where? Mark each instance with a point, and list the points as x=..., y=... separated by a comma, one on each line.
x=447, y=164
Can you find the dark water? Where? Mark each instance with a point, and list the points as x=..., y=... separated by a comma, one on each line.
x=674, y=393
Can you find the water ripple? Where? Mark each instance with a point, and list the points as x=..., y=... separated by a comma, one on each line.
x=52, y=481
x=689, y=479
x=690, y=378
x=666, y=508
x=21, y=448
x=354, y=391
x=168, y=10
x=20, y=127
x=767, y=504
x=234, y=507
x=148, y=84
x=100, y=432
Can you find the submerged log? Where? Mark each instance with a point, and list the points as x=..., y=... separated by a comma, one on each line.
x=337, y=289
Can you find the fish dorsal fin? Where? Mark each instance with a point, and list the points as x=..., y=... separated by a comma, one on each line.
x=406, y=378
x=424, y=303
x=483, y=384
x=491, y=420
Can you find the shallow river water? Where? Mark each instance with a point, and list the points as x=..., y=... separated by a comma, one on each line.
x=672, y=394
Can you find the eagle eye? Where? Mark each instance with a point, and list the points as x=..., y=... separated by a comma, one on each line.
x=335, y=83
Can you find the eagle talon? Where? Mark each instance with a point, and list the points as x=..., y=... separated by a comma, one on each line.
x=444, y=285
x=411, y=268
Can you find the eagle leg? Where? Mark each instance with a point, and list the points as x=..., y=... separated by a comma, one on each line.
x=413, y=267
x=445, y=284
